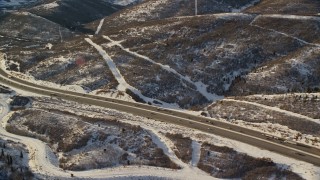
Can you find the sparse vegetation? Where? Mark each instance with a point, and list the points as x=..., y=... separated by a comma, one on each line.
x=11, y=165
x=253, y=114
x=224, y=162
x=183, y=146
x=309, y=7
x=89, y=142
x=5, y=90
x=233, y=48
x=19, y=102
x=305, y=104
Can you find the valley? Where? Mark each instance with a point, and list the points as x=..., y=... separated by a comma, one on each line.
x=115, y=74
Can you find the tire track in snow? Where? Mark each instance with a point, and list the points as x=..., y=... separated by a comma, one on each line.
x=246, y=6
x=290, y=16
x=43, y=162
x=187, y=169
x=196, y=152
x=282, y=33
x=123, y=85
x=163, y=143
x=99, y=27
x=201, y=87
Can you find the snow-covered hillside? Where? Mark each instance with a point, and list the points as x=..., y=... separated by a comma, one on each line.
x=90, y=137
x=252, y=63
x=124, y=2
x=297, y=7
x=181, y=60
x=14, y=4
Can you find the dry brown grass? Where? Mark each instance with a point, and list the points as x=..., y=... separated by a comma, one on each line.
x=295, y=72
x=224, y=162
x=183, y=145
x=307, y=30
x=250, y=113
x=70, y=131
x=265, y=173
x=305, y=104
x=299, y=7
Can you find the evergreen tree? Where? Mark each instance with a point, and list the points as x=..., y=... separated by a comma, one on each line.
x=10, y=160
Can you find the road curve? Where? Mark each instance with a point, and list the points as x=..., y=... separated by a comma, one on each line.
x=44, y=162
x=209, y=125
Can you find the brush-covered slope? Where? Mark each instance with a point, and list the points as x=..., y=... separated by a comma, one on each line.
x=297, y=7
x=169, y=55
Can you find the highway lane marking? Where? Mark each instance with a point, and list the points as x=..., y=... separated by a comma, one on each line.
x=169, y=115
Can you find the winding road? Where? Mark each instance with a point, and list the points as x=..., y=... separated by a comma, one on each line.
x=209, y=125
x=42, y=160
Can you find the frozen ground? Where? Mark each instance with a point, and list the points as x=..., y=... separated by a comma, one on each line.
x=123, y=85
x=124, y=2
x=157, y=127
x=15, y=3
x=43, y=161
x=200, y=86
x=292, y=117
x=228, y=50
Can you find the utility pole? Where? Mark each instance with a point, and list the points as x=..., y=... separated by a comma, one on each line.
x=195, y=7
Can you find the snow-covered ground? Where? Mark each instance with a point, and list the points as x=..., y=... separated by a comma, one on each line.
x=246, y=6
x=48, y=6
x=15, y=3
x=201, y=87
x=306, y=170
x=262, y=113
x=31, y=79
x=75, y=88
x=285, y=34
x=99, y=27
x=44, y=167
x=290, y=16
x=43, y=161
x=311, y=171
x=289, y=113
x=124, y=2
x=123, y=85
x=196, y=146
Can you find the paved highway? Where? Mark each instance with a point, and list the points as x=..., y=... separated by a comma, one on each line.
x=224, y=129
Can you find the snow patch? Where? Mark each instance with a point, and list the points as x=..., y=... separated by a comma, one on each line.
x=31, y=79
x=124, y=2
x=282, y=33
x=49, y=5
x=100, y=26
x=289, y=113
x=123, y=85
x=48, y=46
x=246, y=6
x=196, y=151
x=200, y=86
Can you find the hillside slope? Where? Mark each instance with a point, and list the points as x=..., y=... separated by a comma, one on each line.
x=168, y=55
x=296, y=7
